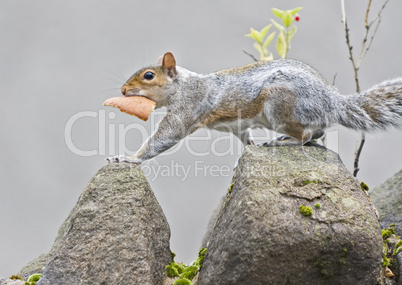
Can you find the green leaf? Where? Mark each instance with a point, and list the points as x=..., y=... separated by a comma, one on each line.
x=270, y=57
x=279, y=26
x=256, y=35
x=294, y=11
x=266, y=52
x=287, y=19
x=258, y=47
x=251, y=35
x=265, y=30
x=292, y=33
x=281, y=46
x=278, y=13
x=269, y=39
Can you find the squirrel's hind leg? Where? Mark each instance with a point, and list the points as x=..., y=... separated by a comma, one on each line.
x=286, y=140
x=246, y=137
x=282, y=141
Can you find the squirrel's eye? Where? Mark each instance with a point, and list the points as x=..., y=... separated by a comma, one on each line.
x=149, y=75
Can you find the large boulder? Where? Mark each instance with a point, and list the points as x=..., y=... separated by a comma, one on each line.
x=294, y=215
x=387, y=197
x=116, y=234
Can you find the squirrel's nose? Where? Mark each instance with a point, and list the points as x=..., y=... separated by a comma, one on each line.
x=123, y=90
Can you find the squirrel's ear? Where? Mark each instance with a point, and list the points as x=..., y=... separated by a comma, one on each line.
x=169, y=62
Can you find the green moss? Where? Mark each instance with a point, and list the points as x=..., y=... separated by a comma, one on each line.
x=173, y=255
x=15, y=277
x=180, y=267
x=33, y=279
x=306, y=182
x=172, y=271
x=200, y=259
x=189, y=272
x=345, y=249
x=317, y=205
x=228, y=194
x=175, y=269
x=385, y=262
x=397, y=250
x=186, y=273
x=386, y=233
x=364, y=186
x=306, y=210
x=183, y=282
x=230, y=188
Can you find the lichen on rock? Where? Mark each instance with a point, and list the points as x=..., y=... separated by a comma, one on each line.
x=260, y=232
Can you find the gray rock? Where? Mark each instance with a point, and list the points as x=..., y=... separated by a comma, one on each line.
x=387, y=197
x=399, y=264
x=261, y=237
x=116, y=234
x=7, y=281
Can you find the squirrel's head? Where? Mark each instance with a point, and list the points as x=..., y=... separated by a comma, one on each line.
x=153, y=82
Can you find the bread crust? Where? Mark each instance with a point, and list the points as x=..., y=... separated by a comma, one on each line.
x=138, y=106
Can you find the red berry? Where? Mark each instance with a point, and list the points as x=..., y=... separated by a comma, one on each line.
x=297, y=18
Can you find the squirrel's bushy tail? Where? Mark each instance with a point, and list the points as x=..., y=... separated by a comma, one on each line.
x=375, y=109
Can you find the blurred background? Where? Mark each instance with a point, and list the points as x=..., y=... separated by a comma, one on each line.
x=59, y=60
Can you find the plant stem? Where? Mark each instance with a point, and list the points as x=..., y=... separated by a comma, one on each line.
x=356, y=65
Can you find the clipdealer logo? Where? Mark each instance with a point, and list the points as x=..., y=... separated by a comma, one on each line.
x=110, y=132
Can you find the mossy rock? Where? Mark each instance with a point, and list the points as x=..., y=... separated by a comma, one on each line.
x=261, y=237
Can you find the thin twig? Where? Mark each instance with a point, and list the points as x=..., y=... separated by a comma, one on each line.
x=357, y=155
x=368, y=25
x=350, y=47
x=356, y=65
x=249, y=54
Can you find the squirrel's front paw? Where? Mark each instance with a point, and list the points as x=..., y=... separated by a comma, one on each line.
x=122, y=158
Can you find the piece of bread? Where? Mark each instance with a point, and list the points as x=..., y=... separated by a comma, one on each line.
x=138, y=106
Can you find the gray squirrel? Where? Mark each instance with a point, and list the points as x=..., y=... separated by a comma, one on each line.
x=287, y=96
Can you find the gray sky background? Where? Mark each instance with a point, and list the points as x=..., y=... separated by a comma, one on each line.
x=60, y=58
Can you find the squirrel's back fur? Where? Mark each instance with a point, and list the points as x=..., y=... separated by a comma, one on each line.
x=295, y=89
